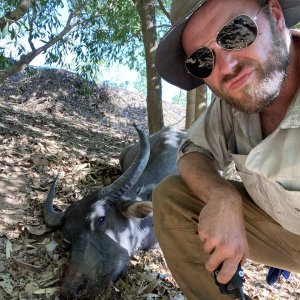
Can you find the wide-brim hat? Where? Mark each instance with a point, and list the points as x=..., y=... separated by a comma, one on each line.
x=170, y=57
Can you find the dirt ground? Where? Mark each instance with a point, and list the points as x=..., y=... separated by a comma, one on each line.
x=53, y=122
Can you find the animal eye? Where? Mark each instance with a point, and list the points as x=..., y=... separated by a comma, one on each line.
x=100, y=220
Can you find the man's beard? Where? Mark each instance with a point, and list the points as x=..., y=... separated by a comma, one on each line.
x=257, y=97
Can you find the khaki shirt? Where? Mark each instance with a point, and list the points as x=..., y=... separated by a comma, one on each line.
x=269, y=168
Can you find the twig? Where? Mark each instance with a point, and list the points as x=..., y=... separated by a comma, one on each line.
x=27, y=265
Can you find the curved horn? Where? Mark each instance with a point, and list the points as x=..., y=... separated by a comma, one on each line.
x=52, y=217
x=125, y=182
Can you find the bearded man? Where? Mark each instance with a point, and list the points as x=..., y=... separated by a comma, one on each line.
x=248, y=55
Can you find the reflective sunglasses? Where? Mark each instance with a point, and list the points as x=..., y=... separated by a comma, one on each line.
x=238, y=33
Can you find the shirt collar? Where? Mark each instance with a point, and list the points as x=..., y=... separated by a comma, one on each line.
x=292, y=117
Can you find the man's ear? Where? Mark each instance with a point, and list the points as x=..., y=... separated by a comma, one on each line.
x=277, y=15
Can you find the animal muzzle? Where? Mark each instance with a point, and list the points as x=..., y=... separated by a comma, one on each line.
x=95, y=263
x=76, y=285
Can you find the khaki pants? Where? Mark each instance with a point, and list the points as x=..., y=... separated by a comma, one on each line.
x=176, y=213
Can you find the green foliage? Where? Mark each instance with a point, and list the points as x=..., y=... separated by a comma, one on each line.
x=4, y=32
x=163, y=23
x=180, y=98
x=31, y=71
x=106, y=30
x=4, y=61
x=86, y=88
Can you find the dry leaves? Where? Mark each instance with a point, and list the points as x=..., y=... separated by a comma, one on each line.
x=48, y=128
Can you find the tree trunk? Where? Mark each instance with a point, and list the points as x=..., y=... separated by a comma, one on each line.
x=201, y=100
x=146, y=11
x=196, y=103
x=190, y=108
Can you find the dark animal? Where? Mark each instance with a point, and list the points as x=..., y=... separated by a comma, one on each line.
x=106, y=227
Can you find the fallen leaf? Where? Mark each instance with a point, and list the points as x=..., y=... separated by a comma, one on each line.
x=81, y=167
x=39, y=161
x=31, y=287
x=8, y=249
x=149, y=296
x=5, y=283
x=51, y=247
x=46, y=291
x=40, y=230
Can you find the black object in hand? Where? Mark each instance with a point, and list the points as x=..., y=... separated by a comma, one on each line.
x=234, y=286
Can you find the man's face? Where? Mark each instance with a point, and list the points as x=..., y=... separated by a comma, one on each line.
x=249, y=79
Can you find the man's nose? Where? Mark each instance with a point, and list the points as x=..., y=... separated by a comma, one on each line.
x=225, y=62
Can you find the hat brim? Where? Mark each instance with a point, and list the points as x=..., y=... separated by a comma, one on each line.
x=170, y=56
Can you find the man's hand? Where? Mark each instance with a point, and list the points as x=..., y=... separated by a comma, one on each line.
x=221, y=224
x=221, y=228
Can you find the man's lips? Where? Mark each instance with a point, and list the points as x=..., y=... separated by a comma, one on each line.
x=239, y=80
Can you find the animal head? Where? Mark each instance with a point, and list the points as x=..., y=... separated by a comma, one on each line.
x=104, y=230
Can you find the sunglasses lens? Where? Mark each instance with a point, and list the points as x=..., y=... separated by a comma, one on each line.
x=238, y=33
x=200, y=63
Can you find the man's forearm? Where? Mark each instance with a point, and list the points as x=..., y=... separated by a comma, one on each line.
x=221, y=225
x=202, y=177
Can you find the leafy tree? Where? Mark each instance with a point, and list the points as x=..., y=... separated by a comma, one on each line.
x=89, y=32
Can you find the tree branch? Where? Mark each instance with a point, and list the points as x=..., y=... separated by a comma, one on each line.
x=27, y=58
x=13, y=16
x=30, y=23
x=163, y=8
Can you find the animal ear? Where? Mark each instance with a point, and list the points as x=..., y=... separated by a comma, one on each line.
x=135, y=209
